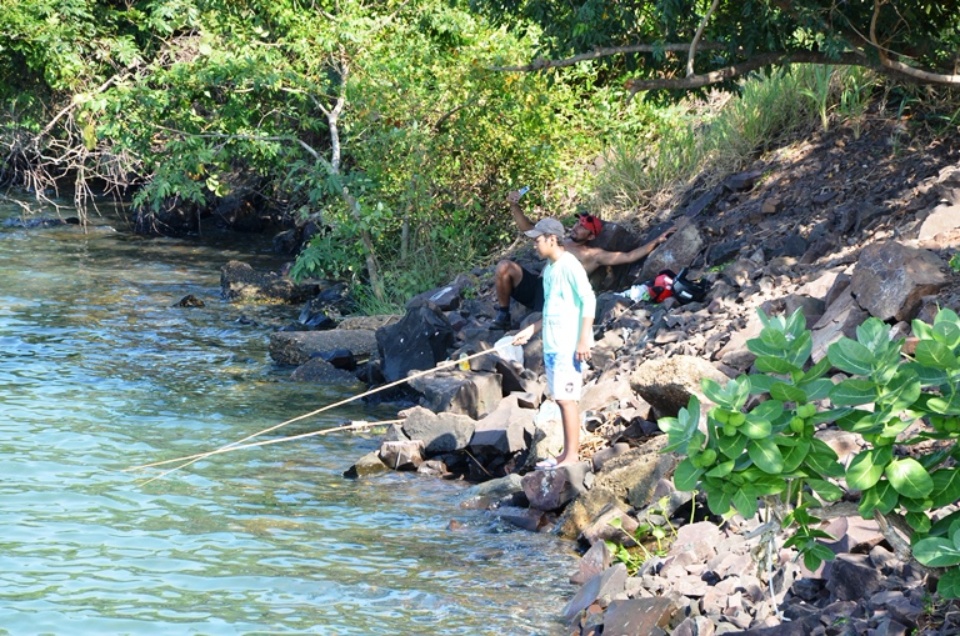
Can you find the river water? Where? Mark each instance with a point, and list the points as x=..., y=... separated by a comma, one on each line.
x=100, y=371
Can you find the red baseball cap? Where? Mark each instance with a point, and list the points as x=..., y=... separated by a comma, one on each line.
x=592, y=223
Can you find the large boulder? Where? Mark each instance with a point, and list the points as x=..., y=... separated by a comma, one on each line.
x=440, y=433
x=891, y=279
x=677, y=252
x=445, y=298
x=553, y=489
x=942, y=223
x=506, y=429
x=319, y=371
x=634, y=475
x=668, y=383
x=473, y=394
x=297, y=347
x=416, y=343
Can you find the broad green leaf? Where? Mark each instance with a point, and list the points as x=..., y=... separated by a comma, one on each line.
x=928, y=376
x=816, y=371
x=767, y=485
x=881, y=498
x=902, y=391
x=713, y=390
x=946, y=315
x=761, y=383
x=718, y=502
x=766, y=455
x=773, y=364
x=853, y=392
x=732, y=447
x=919, y=521
x=824, y=459
x=830, y=415
x=794, y=455
x=787, y=392
x=826, y=490
x=722, y=469
x=909, y=478
x=874, y=334
x=863, y=422
x=769, y=410
x=943, y=526
x=756, y=428
x=802, y=346
x=949, y=585
x=921, y=329
x=946, y=487
x=947, y=333
x=851, y=357
x=867, y=467
x=686, y=476
x=915, y=505
x=936, y=552
x=945, y=406
x=817, y=389
x=796, y=324
x=935, y=354
x=745, y=504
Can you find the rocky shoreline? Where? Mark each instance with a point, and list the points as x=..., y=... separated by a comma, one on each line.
x=787, y=235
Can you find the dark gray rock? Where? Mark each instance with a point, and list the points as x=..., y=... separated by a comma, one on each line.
x=602, y=587
x=439, y=433
x=891, y=279
x=417, y=343
x=297, y=347
x=471, y=394
x=851, y=577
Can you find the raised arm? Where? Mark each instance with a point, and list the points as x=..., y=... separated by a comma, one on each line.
x=620, y=258
x=519, y=217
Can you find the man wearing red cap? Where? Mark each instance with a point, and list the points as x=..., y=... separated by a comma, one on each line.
x=512, y=280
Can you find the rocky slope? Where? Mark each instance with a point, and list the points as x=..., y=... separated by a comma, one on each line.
x=838, y=226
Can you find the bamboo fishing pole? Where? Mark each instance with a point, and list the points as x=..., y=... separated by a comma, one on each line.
x=190, y=459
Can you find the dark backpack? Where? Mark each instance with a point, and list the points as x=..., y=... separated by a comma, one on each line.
x=668, y=284
x=689, y=291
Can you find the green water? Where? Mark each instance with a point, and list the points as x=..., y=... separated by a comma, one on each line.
x=100, y=371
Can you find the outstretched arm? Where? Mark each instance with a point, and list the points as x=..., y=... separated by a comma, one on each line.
x=620, y=258
x=519, y=217
x=523, y=337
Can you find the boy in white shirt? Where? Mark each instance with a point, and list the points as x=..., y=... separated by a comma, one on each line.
x=567, y=321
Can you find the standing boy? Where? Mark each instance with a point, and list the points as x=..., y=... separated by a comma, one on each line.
x=569, y=305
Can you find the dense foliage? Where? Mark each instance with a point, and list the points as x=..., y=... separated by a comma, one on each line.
x=902, y=403
x=385, y=123
x=379, y=121
x=650, y=40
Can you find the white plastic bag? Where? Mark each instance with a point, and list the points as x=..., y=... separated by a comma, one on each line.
x=509, y=351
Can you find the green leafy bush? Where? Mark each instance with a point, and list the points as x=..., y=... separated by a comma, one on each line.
x=759, y=442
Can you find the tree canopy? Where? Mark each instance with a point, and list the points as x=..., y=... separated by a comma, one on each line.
x=684, y=44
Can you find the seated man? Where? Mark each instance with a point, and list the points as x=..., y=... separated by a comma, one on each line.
x=515, y=281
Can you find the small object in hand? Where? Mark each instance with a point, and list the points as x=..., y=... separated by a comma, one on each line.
x=522, y=191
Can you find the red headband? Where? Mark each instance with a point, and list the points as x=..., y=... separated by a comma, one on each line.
x=592, y=223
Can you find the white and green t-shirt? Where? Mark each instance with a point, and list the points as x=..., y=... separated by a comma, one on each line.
x=567, y=299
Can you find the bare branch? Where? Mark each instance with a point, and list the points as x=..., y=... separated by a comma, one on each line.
x=696, y=38
x=900, y=67
x=541, y=63
x=752, y=64
x=76, y=102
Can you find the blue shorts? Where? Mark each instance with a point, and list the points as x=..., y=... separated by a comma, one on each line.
x=564, y=376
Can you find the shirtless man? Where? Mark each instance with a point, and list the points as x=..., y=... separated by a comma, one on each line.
x=514, y=281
